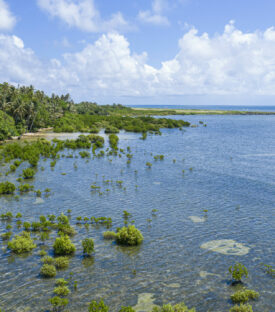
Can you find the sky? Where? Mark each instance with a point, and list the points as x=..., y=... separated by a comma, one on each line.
x=142, y=51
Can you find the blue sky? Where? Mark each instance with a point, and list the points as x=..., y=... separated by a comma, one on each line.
x=142, y=52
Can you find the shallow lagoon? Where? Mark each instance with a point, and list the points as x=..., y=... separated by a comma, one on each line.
x=233, y=161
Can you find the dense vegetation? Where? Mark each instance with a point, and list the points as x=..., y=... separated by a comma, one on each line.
x=25, y=109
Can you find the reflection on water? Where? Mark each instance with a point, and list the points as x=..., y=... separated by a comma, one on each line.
x=186, y=253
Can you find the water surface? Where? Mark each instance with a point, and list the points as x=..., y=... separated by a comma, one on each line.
x=232, y=176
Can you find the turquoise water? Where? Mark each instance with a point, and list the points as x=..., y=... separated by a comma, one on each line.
x=233, y=161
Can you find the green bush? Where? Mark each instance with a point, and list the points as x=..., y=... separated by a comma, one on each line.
x=28, y=173
x=36, y=226
x=12, y=168
x=48, y=260
x=58, y=303
x=129, y=236
x=98, y=306
x=23, y=188
x=111, y=129
x=61, y=262
x=17, y=163
x=6, y=216
x=42, y=253
x=88, y=246
x=241, y=308
x=7, y=188
x=238, y=271
x=6, y=236
x=48, y=270
x=113, y=140
x=63, y=246
x=242, y=296
x=62, y=291
x=181, y=307
x=84, y=154
x=61, y=282
x=66, y=229
x=27, y=226
x=21, y=243
x=126, y=309
x=109, y=235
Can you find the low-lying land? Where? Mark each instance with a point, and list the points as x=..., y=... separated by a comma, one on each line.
x=163, y=112
x=26, y=110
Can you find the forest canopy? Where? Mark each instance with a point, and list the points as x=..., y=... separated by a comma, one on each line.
x=25, y=109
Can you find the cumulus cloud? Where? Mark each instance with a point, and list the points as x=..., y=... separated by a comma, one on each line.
x=233, y=62
x=18, y=65
x=82, y=14
x=7, y=20
x=155, y=15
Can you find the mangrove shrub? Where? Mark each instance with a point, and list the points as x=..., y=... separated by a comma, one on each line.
x=63, y=246
x=7, y=188
x=129, y=236
x=21, y=243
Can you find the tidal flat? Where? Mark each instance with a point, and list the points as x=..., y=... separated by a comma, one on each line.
x=213, y=191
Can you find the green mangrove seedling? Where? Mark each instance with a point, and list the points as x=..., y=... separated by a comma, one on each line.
x=88, y=246
x=58, y=303
x=6, y=236
x=241, y=308
x=42, y=253
x=7, y=188
x=27, y=226
x=63, y=246
x=6, y=216
x=269, y=270
x=180, y=307
x=28, y=173
x=21, y=243
x=242, y=296
x=129, y=236
x=47, y=260
x=238, y=271
x=126, y=214
x=126, y=309
x=61, y=282
x=98, y=306
x=61, y=291
x=109, y=235
x=48, y=270
x=23, y=188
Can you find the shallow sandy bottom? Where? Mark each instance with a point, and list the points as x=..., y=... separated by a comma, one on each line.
x=196, y=219
x=226, y=247
x=39, y=201
x=145, y=302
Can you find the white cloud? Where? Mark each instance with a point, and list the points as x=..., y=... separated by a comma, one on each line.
x=155, y=15
x=231, y=63
x=18, y=65
x=7, y=20
x=82, y=14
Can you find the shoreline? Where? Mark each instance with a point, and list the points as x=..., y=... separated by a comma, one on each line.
x=197, y=111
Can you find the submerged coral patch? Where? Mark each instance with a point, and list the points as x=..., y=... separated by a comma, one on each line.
x=226, y=247
x=145, y=302
x=196, y=219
